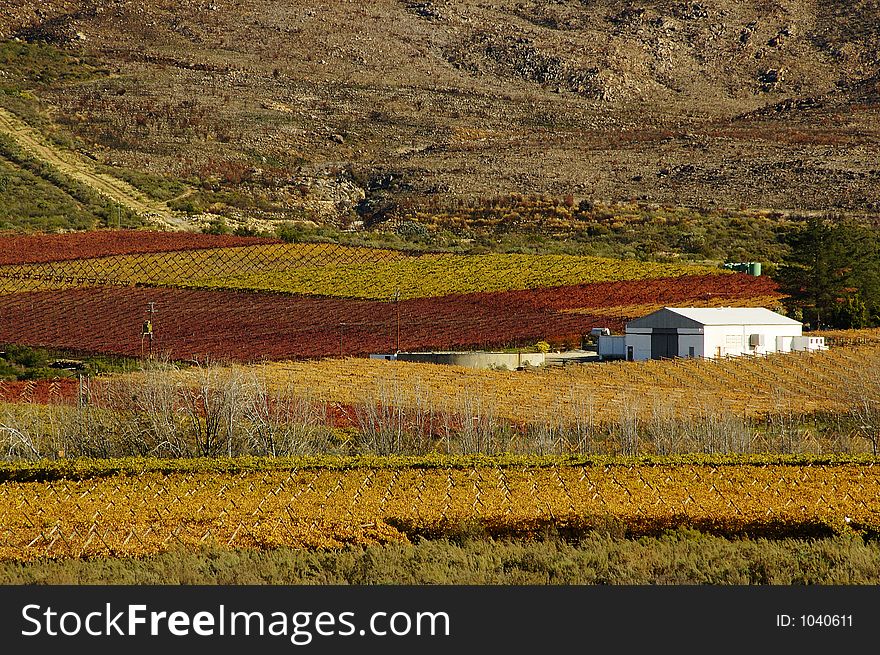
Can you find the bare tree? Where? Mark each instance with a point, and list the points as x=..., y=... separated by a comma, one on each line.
x=211, y=405
x=283, y=422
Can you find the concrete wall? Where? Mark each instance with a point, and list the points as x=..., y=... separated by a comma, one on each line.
x=488, y=360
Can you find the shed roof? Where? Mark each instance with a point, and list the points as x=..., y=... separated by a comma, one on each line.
x=712, y=316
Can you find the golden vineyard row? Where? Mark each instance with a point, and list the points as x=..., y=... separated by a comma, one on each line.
x=84, y=468
x=797, y=382
x=132, y=515
x=341, y=271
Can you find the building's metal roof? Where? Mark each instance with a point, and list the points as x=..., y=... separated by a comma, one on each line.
x=714, y=316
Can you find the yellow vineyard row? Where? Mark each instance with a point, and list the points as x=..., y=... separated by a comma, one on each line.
x=855, y=336
x=331, y=270
x=153, y=512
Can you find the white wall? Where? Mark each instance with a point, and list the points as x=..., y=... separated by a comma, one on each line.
x=688, y=341
x=611, y=346
x=641, y=343
x=784, y=344
x=733, y=340
x=810, y=344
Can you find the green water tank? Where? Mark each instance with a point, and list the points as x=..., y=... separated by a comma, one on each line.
x=754, y=268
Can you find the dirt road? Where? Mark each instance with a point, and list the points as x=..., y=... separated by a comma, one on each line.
x=81, y=170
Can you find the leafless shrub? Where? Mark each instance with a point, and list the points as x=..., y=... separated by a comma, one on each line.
x=582, y=428
x=211, y=405
x=280, y=422
x=16, y=444
x=715, y=431
x=663, y=430
x=480, y=430
x=424, y=421
x=629, y=426
x=862, y=420
x=380, y=419
x=391, y=420
x=149, y=412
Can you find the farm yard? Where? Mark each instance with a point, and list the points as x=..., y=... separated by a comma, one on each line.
x=258, y=424
x=319, y=300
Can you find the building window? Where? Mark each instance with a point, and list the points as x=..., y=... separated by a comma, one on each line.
x=691, y=351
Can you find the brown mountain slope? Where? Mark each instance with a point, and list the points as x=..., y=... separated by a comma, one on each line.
x=771, y=103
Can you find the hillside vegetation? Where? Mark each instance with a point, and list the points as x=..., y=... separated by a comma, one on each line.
x=340, y=112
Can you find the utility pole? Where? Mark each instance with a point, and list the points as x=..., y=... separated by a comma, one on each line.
x=396, y=300
x=147, y=329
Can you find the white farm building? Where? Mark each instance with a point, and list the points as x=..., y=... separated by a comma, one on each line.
x=707, y=332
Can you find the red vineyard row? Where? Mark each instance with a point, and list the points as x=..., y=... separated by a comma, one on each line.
x=61, y=390
x=667, y=291
x=252, y=326
x=43, y=248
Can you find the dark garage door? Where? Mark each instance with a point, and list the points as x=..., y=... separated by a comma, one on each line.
x=664, y=343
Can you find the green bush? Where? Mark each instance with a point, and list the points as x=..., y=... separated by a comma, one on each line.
x=155, y=186
x=26, y=357
x=217, y=226
x=189, y=205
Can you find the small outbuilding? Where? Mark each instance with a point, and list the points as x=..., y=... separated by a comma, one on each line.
x=708, y=332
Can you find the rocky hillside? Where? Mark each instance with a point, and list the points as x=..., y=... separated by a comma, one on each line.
x=759, y=104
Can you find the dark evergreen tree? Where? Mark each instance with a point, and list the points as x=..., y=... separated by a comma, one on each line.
x=832, y=275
